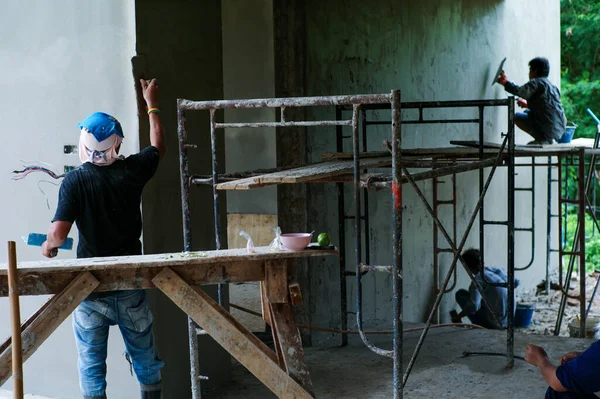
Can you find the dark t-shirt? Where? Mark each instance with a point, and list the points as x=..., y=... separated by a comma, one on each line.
x=104, y=202
x=582, y=374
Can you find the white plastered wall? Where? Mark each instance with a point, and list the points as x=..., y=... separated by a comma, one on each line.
x=59, y=62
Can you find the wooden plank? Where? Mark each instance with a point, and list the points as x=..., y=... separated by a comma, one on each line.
x=276, y=343
x=191, y=259
x=319, y=171
x=27, y=322
x=230, y=334
x=34, y=283
x=525, y=150
x=132, y=272
x=349, y=155
x=264, y=304
x=276, y=279
x=291, y=344
x=49, y=320
x=303, y=174
x=247, y=183
x=260, y=227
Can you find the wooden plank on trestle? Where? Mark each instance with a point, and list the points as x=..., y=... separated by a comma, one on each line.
x=115, y=279
x=27, y=322
x=135, y=272
x=320, y=170
x=230, y=334
x=276, y=281
x=49, y=320
x=290, y=344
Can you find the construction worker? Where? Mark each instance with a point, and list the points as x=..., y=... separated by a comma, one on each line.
x=543, y=117
x=575, y=378
x=102, y=196
x=492, y=283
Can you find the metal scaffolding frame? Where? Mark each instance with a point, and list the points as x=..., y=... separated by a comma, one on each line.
x=448, y=164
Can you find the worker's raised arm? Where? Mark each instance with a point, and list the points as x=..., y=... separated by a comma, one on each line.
x=150, y=93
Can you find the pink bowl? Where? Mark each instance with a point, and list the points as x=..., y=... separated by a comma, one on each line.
x=295, y=241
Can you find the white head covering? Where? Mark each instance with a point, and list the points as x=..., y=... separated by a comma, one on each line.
x=101, y=135
x=101, y=153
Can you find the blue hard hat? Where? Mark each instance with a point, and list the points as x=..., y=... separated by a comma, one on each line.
x=101, y=125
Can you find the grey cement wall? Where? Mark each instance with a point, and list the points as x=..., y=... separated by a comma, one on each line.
x=56, y=67
x=180, y=44
x=431, y=50
x=248, y=72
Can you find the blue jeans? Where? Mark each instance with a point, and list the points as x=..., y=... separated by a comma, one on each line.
x=534, y=130
x=91, y=321
x=480, y=317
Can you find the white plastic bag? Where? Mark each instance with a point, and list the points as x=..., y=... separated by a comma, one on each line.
x=276, y=244
x=250, y=245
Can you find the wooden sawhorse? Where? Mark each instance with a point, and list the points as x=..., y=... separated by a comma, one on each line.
x=178, y=275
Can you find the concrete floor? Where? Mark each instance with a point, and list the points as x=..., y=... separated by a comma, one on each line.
x=440, y=371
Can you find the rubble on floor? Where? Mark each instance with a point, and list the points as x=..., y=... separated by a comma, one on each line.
x=546, y=307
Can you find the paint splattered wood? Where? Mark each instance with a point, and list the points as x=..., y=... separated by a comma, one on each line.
x=320, y=170
x=137, y=272
x=164, y=260
x=310, y=173
x=276, y=281
x=534, y=149
x=349, y=155
x=242, y=184
x=49, y=319
x=291, y=344
x=235, y=338
x=28, y=322
x=264, y=303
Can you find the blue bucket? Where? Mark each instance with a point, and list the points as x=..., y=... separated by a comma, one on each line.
x=524, y=314
x=568, y=134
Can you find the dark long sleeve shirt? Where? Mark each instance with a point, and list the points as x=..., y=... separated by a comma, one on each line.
x=545, y=108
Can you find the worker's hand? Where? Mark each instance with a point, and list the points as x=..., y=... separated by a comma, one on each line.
x=150, y=92
x=567, y=357
x=457, y=319
x=47, y=251
x=535, y=354
x=502, y=79
x=522, y=103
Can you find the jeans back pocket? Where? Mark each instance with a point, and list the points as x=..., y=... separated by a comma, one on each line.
x=90, y=318
x=138, y=314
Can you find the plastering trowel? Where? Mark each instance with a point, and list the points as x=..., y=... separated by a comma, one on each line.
x=37, y=239
x=499, y=71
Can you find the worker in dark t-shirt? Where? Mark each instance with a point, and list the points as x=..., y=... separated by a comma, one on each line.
x=102, y=196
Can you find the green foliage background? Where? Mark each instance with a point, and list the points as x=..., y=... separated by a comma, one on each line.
x=580, y=69
x=580, y=84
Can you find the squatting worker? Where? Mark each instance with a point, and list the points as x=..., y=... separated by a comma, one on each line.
x=492, y=282
x=102, y=196
x=543, y=117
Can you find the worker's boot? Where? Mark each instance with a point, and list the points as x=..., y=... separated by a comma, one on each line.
x=152, y=391
x=152, y=394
